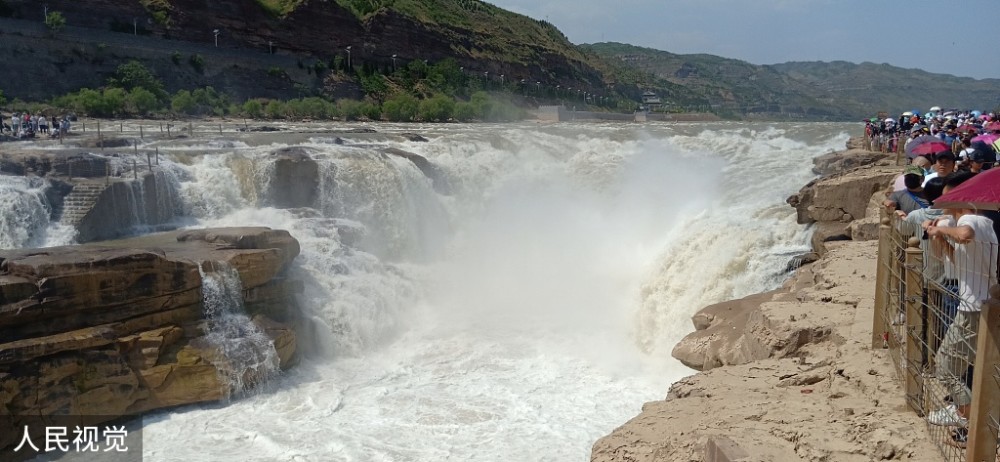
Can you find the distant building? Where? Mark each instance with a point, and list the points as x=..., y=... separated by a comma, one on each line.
x=651, y=101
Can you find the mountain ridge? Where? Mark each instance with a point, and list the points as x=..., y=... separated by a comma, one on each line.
x=502, y=49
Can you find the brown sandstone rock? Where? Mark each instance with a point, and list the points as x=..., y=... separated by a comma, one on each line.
x=841, y=197
x=841, y=161
x=116, y=328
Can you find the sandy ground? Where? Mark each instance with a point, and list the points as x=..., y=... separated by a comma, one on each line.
x=834, y=400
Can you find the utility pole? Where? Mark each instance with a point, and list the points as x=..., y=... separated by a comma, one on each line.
x=348, y=58
x=393, y=63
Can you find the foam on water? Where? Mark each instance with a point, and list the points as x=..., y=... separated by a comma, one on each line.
x=25, y=221
x=567, y=261
x=248, y=355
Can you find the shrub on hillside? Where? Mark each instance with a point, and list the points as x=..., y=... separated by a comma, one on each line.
x=350, y=109
x=436, y=109
x=401, y=108
x=253, y=108
x=464, y=112
x=141, y=101
x=197, y=62
x=275, y=110
x=133, y=75
x=183, y=102
x=55, y=21
x=371, y=110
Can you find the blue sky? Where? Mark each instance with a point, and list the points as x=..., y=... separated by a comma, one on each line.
x=944, y=37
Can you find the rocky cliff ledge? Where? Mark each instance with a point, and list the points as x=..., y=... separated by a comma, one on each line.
x=123, y=327
x=789, y=374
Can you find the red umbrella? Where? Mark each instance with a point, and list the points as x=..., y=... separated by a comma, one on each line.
x=992, y=126
x=932, y=147
x=968, y=129
x=981, y=192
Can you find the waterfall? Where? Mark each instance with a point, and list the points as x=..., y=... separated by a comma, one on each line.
x=248, y=354
x=26, y=217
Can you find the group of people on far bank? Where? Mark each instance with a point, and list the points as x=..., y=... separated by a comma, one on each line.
x=960, y=250
x=27, y=125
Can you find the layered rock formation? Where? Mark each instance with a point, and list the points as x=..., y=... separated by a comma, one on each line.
x=840, y=203
x=120, y=328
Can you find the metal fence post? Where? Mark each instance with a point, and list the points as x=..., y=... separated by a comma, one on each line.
x=914, y=267
x=985, y=407
x=884, y=258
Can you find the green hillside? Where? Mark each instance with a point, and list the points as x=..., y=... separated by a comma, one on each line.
x=813, y=90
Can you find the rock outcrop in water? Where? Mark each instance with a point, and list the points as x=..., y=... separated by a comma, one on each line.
x=120, y=328
x=841, y=202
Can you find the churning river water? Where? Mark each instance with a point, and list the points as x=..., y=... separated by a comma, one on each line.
x=521, y=310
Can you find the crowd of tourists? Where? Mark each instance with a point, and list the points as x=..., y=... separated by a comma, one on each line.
x=959, y=239
x=957, y=128
x=27, y=125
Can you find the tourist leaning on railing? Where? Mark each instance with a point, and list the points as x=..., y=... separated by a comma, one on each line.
x=969, y=249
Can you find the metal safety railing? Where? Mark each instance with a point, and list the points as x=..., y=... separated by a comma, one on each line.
x=937, y=311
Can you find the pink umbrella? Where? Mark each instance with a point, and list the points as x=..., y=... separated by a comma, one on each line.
x=981, y=192
x=992, y=126
x=988, y=138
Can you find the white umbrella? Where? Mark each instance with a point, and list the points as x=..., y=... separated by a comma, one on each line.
x=907, y=114
x=935, y=109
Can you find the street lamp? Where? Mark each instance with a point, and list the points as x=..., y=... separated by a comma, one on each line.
x=135, y=26
x=501, y=80
x=348, y=58
x=393, y=63
x=216, y=32
x=270, y=47
x=45, y=9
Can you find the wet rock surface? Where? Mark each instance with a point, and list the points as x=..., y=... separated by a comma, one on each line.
x=119, y=327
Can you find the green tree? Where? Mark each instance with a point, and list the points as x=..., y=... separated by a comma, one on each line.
x=350, y=109
x=464, y=112
x=141, y=101
x=183, y=102
x=446, y=76
x=114, y=101
x=89, y=102
x=253, y=108
x=374, y=86
x=371, y=110
x=436, y=109
x=55, y=21
x=133, y=75
x=275, y=110
x=197, y=62
x=401, y=108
